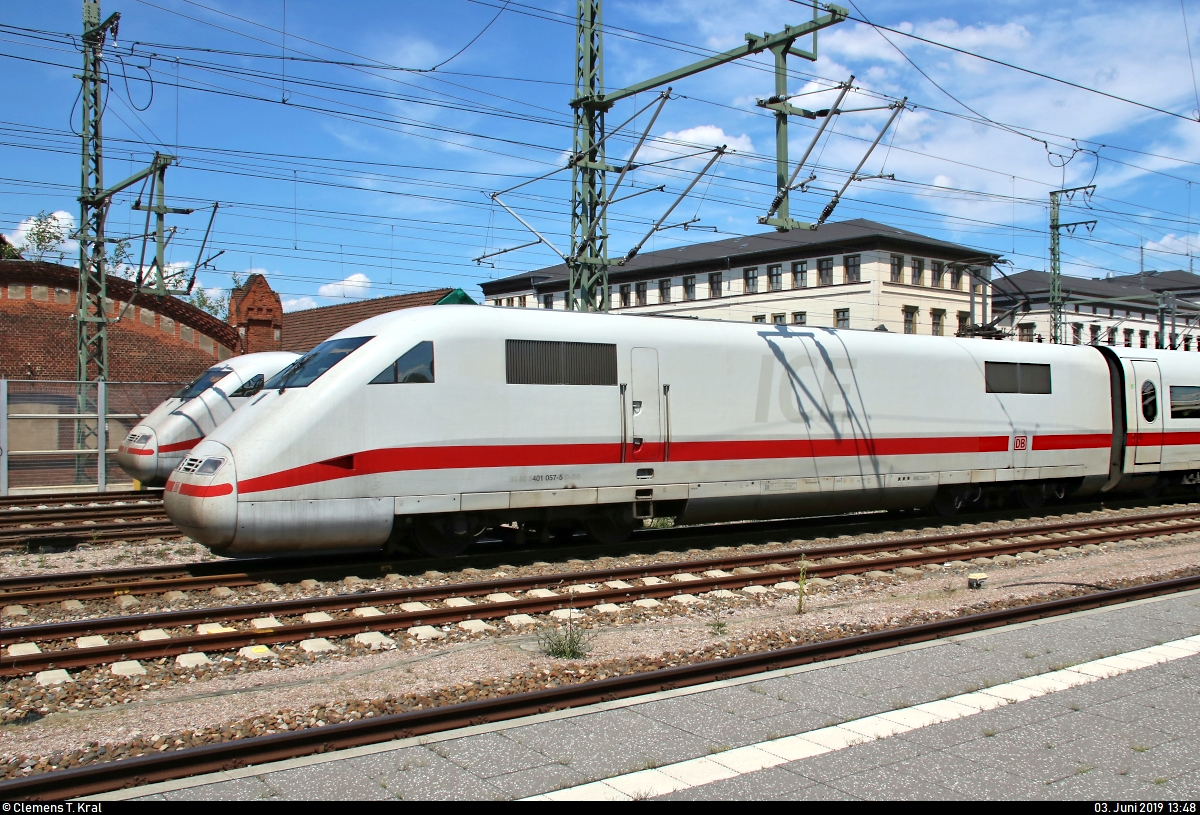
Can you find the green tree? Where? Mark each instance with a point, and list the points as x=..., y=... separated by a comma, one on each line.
x=216, y=305
x=43, y=236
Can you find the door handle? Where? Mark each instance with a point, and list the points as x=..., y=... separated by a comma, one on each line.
x=637, y=407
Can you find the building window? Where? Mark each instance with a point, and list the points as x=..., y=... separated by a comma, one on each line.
x=779, y=319
x=910, y=319
x=521, y=301
x=841, y=318
x=508, y=302
x=799, y=318
x=897, y=268
x=664, y=290
x=714, y=284
x=1095, y=332
x=938, y=270
x=964, y=322
x=1076, y=333
x=852, y=267
x=547, y=301
x=750, y=278
x=1157, y=340
x=1025, y=332
x=1187, y=342
x=938, y=321
x=1128, y=337
x=956, y=279
x=624, y=295
x=639, y=291
x=775, y=278
x=1144, y=336
x=1112, y=336
x=825, y=272
x=800, y=275
x=918, y=272
x=759, y=318
x=689, y=287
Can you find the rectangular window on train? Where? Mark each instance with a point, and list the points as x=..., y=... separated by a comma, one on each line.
x=1017, y=377
x=414, y=366
x=1185, y=402
x=537, y=362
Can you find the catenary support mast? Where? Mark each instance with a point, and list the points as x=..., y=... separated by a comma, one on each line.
x=588, y=261
x=1056, y=299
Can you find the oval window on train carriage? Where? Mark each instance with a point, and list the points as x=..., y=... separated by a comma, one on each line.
x=1149, y=401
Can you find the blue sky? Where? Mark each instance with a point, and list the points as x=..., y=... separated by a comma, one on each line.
x=369, y=181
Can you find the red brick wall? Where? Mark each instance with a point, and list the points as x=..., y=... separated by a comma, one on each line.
x=257, y=313
x=39, y=338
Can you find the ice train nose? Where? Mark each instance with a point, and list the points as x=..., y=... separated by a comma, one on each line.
x=137, y=455
x=201, y=496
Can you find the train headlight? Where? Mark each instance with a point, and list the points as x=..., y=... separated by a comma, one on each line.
x=210, y=466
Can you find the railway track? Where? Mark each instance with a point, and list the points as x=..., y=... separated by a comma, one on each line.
x=60, y=499
x=141, y=770
x=251, y=570
x=66, y=521
x=495, y=599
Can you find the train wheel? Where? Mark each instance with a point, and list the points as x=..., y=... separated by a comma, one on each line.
x=947, y=502
x=611, y=527
x=1031, y=496
x=436, y=537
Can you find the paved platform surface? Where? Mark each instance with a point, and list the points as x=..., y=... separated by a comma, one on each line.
x=1130, y=737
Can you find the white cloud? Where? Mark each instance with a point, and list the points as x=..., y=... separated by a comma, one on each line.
x=354, y=287
x=711, y=136
x=298, y=303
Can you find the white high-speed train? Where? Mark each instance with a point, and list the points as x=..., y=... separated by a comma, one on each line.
x=160, y=442
x=434, y=424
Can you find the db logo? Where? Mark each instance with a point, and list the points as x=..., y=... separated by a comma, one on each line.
x=1020, y=442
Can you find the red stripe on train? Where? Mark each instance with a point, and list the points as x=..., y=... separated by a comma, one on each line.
x=1082, y=441
x=179, y=445
x=134, y=452
x=1159, y=437
x=198, y=490
x=372, y=462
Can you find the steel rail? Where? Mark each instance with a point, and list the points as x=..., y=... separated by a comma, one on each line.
x=172, y=578
x=225, y=756
x=344, y=627
x=371, y=560
x=10, y=520
x=81, y=533
x=77, y=498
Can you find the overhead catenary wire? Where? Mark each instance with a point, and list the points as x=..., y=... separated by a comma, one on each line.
x=1013, y=196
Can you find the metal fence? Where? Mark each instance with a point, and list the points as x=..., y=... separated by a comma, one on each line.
x=52, y=438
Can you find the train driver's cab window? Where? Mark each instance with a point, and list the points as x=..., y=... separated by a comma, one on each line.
x=1185, y=402
x=202, y=383
x=250, y=387
x=1017, y=377
x=306, y=370
x=414, y=366
x=1149, y=401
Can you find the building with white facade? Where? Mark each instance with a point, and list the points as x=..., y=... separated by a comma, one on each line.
x=1125, y=310
x=851, y=274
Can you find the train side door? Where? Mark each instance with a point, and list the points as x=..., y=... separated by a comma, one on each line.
x=1148, y=405
x=645, y=398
